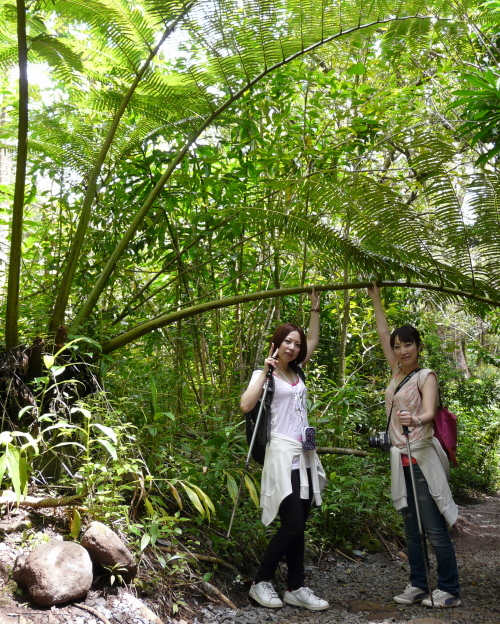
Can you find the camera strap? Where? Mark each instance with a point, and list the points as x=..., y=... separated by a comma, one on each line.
x=401, y=384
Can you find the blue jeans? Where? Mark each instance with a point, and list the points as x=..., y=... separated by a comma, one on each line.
x=434, y=526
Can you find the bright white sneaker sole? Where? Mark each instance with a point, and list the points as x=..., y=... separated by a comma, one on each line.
x=428, y=603
x=408, y=603
x=296, y=603
x=273, y=605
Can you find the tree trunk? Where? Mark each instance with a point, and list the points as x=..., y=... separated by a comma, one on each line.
x=12, y=311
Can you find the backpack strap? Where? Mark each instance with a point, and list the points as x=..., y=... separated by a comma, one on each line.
x=400, y=385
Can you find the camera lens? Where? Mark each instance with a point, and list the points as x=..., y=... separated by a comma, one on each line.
x=374, y=441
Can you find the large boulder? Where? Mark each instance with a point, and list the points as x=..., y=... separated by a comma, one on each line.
x=107, y=549
x=18, y=573
x=56, y=572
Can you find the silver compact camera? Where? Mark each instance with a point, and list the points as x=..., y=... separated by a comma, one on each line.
x=381, y=440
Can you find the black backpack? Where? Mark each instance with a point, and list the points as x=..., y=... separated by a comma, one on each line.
x=264, y=431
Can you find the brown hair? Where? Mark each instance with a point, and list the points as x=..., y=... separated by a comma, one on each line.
x=281, y=332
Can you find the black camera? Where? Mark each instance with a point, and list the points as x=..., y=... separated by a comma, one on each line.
x=381, y=440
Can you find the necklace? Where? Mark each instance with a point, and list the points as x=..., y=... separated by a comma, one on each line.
x=293, y=377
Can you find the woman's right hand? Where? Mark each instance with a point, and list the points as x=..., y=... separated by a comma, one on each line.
x=373, y=291
x=271, y=359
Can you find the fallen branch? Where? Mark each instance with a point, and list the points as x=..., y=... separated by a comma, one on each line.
x=208, y=558
x=216, y=592
x=332, y=450
x=95, y=612
x=9, y=497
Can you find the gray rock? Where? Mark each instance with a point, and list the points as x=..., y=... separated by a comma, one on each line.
x=107, y=549
x=18, y=571
x=57, y=572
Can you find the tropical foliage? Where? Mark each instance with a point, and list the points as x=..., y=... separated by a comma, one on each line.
x=174, y=176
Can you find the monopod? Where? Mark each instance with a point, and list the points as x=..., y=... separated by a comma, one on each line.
x=250, y=446
x=406, y=433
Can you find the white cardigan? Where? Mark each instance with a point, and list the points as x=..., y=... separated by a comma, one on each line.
x=276, y=483
x=435, y=467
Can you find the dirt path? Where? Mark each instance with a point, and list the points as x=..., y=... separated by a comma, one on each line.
x=358, y=592
x=361, y=593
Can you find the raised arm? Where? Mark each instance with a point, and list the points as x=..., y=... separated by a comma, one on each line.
x=382, y=327
x=313, y=331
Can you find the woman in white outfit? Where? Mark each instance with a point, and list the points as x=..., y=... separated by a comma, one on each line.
x=292, y=478
x=411, y=400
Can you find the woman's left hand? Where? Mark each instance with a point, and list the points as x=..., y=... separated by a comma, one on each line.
x=314, y=297
x=405, y=418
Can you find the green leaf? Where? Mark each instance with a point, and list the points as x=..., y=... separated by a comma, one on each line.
x=175, y=494
x=358, y=69
x=154, y=533
x=76, y=523
x=149, y=507
x=232, y=487
x=194, y=498
x=57, y=370
x=107, y=431
x=109, y=447
x=146, y=538
x=251, y=489
x=49, y=360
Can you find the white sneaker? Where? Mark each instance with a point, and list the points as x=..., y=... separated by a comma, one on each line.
x=264, y=594
x=304, y=597
x=411, y=595
x=442, y=600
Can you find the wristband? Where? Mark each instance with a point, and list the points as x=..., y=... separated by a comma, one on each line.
x=315, y=310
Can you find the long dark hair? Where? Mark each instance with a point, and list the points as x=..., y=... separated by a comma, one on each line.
x=407, y=333
x=282, y=331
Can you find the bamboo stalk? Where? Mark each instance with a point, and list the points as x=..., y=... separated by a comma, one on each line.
x=9, y=497
x=144, y=328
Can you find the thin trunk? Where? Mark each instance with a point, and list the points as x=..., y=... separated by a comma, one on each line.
x=12, y=312
x=345, y=317
x=77, y=244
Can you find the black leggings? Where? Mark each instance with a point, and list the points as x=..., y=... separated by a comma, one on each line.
x=288, y=540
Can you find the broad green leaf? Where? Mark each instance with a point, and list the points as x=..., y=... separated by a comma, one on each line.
x=57, y=370
x=76, y=523
x=14, y=470
x=31, y=442
x=175, y=494
x=145, y=541
x=107, y=431
x=5, y=437
x=194, y=498
x=358, y=69
x=149, y=507
x=109, y=447
x=154, y=533
x=49, y=360
x=232, y=487
x=251, y=489
x=3, y=466
x=205, y=498
x=87, y=413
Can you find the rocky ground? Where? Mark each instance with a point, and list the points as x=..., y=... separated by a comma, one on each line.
x=359, y=589
x=361, y=592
